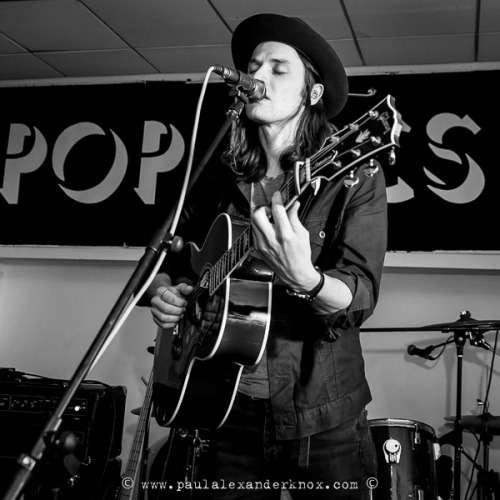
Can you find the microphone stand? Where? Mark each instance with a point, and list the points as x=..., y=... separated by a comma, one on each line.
x=162, y=240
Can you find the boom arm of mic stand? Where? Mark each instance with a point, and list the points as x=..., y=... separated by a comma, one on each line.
x=162, y=240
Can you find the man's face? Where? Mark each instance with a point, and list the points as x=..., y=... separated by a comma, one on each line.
x=280, y=68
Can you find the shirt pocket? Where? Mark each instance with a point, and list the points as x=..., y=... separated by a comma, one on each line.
x=317, y=235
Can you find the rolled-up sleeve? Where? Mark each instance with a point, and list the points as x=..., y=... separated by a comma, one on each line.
x=355, y=252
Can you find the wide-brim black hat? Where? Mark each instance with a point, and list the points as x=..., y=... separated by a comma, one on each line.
x=296, y=33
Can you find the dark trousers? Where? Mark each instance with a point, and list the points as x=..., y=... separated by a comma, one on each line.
x=245, y=460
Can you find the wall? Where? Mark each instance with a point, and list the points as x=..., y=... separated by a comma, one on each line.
x=51, y=308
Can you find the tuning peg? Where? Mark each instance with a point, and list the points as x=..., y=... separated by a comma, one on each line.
x=392, y=157
x=372, y=168
x=351, y=181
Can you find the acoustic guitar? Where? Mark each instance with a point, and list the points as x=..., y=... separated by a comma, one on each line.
x=197, y=366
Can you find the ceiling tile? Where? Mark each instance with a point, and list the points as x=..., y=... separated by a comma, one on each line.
x=160, y=23
x=55, y=25
x=490, y=16
x=130, y=37
x=417, y=50
x=394, y=18
x=188, y=59
x=25, y=66
x=346, y=50
x=324, y=16
x=7, y=46
x=489, y=48
x=98, y=63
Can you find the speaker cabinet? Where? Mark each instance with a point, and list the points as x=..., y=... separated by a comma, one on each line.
x=94, y=416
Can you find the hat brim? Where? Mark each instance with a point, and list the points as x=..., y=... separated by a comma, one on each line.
x=294, y=32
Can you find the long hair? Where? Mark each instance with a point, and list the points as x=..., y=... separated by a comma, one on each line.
x=244, y=153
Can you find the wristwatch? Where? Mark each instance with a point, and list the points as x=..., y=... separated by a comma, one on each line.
x=311, y=294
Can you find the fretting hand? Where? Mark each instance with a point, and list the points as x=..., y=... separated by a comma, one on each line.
x=284, y=244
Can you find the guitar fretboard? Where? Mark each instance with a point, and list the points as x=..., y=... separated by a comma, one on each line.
x=243, y=245
x=343, y=152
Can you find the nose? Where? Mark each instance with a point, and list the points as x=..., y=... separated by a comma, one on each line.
x=260, y=74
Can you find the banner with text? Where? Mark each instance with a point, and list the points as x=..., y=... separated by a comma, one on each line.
x=102, y=165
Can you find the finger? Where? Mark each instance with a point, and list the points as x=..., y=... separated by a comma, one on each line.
x=165, y=320
x=293, y=217
x=280, y=215
x=185, y=289
x=172, y=295
x=262, y=228
x=261, y=216
x=167, y=308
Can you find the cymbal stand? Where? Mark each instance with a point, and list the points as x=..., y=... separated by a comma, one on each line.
x=483, y=488
x=484, y=480
x=460, y=337
x=488, y=482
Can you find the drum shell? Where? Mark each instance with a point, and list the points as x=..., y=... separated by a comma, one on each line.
x=410, y=472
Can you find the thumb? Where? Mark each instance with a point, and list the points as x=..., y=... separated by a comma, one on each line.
x=185, y=289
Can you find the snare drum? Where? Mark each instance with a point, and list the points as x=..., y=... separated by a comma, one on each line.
x=406, y=452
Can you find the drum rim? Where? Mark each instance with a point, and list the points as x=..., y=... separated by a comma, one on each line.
x=401, y=422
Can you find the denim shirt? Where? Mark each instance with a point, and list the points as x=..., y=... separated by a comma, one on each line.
x=315, y=362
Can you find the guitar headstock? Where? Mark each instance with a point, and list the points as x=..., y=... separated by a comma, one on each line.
x=356, y=146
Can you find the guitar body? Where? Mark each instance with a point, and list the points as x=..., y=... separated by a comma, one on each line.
x=197, y=367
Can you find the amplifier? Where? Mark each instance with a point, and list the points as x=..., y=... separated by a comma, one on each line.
x=95, y=416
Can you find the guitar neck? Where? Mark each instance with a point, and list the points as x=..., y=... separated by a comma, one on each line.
x=138, y=442
x=342, y=155
x=243, y=245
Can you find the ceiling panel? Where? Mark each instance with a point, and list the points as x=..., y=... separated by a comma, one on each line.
x=160, y=23
x=7, y=46
x=55, y=25
x=25, y=67
x=417, y=50
x=188, y=59
x=347, y=52
x=490, y=16
x=57, y=38
x=395, y=18
x=325, y=16
x=489, y=48
x=98, y=63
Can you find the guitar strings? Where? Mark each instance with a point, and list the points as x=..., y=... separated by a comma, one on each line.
x=285, y=190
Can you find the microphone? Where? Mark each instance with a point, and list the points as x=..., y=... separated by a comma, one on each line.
x=254, y=89
x=413, y=350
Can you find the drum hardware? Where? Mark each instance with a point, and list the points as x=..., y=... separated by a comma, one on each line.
x=464, y=328
x=486, y=426
x=176, y=459
x=484, y=423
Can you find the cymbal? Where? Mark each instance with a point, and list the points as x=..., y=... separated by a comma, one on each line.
x=491, y=423
x=469, y=324
x=465, y=325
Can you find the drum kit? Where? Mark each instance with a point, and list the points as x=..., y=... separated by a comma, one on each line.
x=410, y=463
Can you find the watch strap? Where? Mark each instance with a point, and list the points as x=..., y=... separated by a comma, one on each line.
x=311, y=294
